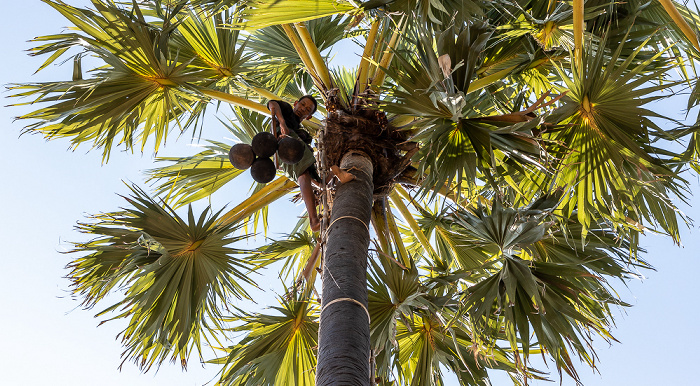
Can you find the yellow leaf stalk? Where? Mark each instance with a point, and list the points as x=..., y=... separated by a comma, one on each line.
x=487, y=80
x=236, y=100
x=367, y=56
x=387, y=57
x=303, y=54
x=578, y=31
x=316, y=58
x=408, y=217
x=680, y=21
x=259, y=200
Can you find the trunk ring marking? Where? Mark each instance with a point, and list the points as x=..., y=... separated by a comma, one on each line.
x=342, y=217
x=348, y=300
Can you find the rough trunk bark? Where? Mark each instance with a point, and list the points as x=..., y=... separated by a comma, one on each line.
x=344, y=346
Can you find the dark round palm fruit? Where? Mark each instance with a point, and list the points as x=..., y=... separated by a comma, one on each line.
x=291, y=150
x=241, y=156
x=263, y=170
x=264, y=144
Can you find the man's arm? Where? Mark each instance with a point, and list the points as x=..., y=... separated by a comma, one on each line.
x=277, y=118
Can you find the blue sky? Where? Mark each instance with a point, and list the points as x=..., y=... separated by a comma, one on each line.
x=45, y=189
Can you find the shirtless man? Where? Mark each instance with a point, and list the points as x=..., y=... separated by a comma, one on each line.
x=286, y=121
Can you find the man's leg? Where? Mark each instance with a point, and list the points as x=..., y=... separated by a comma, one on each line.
x=307, y=194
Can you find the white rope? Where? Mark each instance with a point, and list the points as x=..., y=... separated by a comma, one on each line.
x=347, y=300
x=353, y=217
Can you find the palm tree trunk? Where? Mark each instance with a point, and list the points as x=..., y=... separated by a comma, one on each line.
x=344, y=347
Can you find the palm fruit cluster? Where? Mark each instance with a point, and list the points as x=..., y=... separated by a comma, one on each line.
x=256, y=156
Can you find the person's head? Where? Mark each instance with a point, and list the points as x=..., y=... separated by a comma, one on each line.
x=305, y=107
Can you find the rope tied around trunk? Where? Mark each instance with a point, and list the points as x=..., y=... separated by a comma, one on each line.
x=342, y=217
x=348, y=300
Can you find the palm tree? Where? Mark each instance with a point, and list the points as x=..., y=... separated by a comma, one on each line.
x=505, y=157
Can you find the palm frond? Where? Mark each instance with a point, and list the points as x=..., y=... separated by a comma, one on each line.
x=278, y=60
x=277, y=349
x=204, y=44
x=176, y=275
x=139, y=92
x=427, y=345
x=456, y=145
x=263, y=13
x=393, y=293
x=610, y=160
x=548, y=284
x=192, y=178
x=295, y=250
x=188, y=179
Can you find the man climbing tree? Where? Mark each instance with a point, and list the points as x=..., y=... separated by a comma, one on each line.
x=286, y=122
x=487, y=219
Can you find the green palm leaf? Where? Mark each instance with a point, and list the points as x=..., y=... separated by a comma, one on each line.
x=548, y=284
x=188, y=179
x=277, y=349
x=426, y=346
x=456, y=145
x=295, y=251
x=609, y=157
x=459, y=250
x=176, y=274
x=393, y=294
x=204, y=44
x=263, y=13
x=138, y=92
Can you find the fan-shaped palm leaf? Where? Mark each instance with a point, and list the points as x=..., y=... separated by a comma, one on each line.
x=427, y=345
x=188, y=179
x=203, y=43
x=138, y=92
x=393, y=294
x=176, y=275
x=610, y=159
x=455, y=144
x=278, y=349
x=542, y=270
